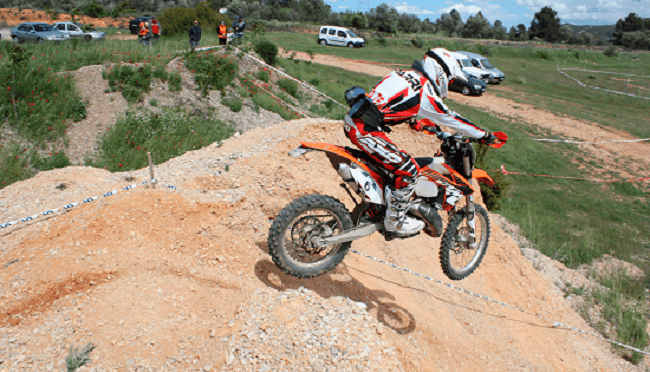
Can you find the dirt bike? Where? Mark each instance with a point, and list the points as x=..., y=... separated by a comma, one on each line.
x=313, y=233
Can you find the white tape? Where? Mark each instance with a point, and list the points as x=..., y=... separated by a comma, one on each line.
x=598, y=88
x=581, y=142
x=87, y=200
x=605, y=72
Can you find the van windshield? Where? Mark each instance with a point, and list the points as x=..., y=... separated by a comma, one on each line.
x=351, y=34
x=465, y=63
x=486, y=63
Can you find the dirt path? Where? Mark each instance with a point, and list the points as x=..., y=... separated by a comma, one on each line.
x=636, y=162
x=182, y=280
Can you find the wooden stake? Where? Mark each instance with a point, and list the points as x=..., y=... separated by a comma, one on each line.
x=151, y=173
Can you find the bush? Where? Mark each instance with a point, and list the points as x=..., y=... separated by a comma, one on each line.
x=174, y=82
x=234, y=104
x=58, y=160
x=132, y=82
x=161, y=73
x=94, y=10
x=492, y=195
x=267, y=50
x=212, y=72
x=290, y=86
x=263, y=75
x=611, y=51
x=178, y=20
x=166, y=135
x=14, y=165
x=417, y=42
x=314, y=81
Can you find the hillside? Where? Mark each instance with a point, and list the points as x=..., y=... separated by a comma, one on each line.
x=600, y=32
x=181, y=280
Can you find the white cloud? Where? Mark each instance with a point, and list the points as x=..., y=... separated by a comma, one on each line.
x=462, y=9
x=343, y=7
x=601, y=10
x=409, y=9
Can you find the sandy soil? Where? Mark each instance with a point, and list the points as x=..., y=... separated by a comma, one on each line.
x=149, y=274
x=13, y=17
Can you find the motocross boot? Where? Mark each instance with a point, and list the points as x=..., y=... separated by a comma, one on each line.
x=398, y=203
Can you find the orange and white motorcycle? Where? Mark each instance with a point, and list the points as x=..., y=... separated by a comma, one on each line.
x=313, y=233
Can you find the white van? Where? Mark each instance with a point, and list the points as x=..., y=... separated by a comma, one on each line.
x=334, y=35
x=467, y=66
x=480, y=62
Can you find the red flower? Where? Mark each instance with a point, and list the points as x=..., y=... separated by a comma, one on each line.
x=8, y=88
x=120, y=165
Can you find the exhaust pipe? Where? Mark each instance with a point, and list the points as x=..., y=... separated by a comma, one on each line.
x=344, y=171
x=430, y=216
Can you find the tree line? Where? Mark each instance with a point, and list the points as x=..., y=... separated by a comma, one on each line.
x=631, y=32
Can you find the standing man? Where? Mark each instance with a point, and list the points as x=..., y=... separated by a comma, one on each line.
x=239, y=26
x=155, y=28
x=195, y=35
x=223, y=33
x=145, y=34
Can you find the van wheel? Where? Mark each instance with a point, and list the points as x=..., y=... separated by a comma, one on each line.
x=350, y=45
x=323, y=42
x=465, y=91
x=87, y=38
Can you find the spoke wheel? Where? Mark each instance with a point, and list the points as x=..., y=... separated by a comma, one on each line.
x=295, y=231
x=458, y=257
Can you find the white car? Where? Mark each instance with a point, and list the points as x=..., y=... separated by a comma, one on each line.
x=76, y=32
x=480, y=62
x=334, y=35
x=467, y=67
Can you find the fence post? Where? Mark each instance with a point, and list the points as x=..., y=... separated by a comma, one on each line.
x=151, y=173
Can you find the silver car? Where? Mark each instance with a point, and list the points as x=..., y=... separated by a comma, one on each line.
x=36, y=32
x=75, y=31
x=478, y=61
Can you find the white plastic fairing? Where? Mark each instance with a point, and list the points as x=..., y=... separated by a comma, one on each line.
x=438, y=167
x=426, y=188
x=369, y=188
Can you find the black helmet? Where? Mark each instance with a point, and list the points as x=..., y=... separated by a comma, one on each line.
x=353, y=95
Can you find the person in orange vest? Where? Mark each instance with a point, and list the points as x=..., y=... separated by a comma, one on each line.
x=145, y=34
x=223, y=33
x=155, y=28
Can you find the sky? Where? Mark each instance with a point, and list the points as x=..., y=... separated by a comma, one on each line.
x=513, y=12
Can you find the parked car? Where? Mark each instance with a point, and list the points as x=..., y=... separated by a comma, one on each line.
x=480, y=62
x=470, y=87
x=134, y=23
x=75, y=31
x=467, y=67
x=333, y=35
x=37, y=32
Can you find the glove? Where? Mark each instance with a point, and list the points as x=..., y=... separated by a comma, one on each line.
x=496, y=139
x=424, y=125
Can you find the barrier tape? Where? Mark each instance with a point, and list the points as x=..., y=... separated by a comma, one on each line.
x=598, y=88
x=296, y=80
x=87, y=200
x=350, y=60
x=280, y=100
x=605, y=72
x=486, y=298
x=581, y=142
x=506, y=173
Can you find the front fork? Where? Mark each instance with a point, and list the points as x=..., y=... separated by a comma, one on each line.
x=469, y=208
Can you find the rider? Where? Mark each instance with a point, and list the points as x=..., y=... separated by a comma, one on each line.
x=398, y=98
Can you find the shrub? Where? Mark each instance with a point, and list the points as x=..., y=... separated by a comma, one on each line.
x=611, y=51
x=267, y=50
x=211, y=71
x=263, y=75
x=314, y=81
x=93, y=10
x=179, y=19
x=417, y=42
x=492, y=195
x=174, y=82
x=132, y=82
x=58, y=160
x=166, y=135
x=234, y=104
x=382, y=41
x=14, y=165
x=161, y=73
x=290, y=86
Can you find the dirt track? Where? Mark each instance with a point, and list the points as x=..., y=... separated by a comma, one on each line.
x=161, y=278
x=636, y=161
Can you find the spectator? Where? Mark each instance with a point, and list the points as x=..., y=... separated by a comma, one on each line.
x=145, y=34
x=195, y=35
x=223, y=33
x=155, y=28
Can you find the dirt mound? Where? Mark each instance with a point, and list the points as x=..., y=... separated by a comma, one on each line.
x=192, y=287
x=10, y=17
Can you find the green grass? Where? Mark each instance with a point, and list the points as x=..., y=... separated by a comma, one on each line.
x=165, y=135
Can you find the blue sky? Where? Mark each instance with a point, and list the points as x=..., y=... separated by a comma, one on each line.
x=513, y=12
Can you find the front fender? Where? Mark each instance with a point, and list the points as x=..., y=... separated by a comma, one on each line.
x=482, y=177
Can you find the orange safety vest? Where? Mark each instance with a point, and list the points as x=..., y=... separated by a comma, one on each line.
x=222, y=31
x=155, y=29
x=144, y=31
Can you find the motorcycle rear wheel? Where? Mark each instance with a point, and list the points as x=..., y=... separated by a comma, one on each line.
x=457, y=258
x=296, y=227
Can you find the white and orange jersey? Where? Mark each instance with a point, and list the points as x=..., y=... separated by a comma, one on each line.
x=405, y=94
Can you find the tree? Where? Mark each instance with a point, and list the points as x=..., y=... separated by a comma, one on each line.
x=358, y=21
x=500, y=32
x=631, y=23
x=545, y=25
x=449, y=23
x=565, y=34
x=522, y=35
x=476, y=27
x=383, y=18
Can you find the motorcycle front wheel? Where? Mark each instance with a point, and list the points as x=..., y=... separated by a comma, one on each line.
x=297, y=227
x=457, y=256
